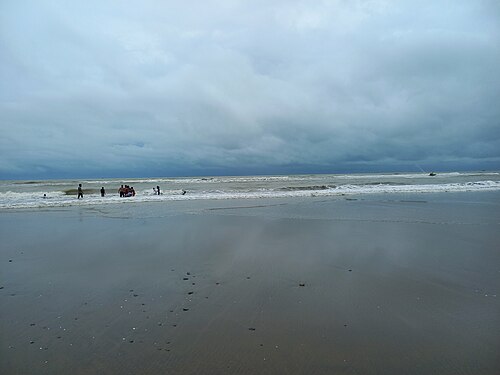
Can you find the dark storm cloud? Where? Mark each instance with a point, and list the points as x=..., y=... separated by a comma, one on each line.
x=185, y=88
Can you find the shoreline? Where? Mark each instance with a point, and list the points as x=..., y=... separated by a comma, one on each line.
x=257, y=206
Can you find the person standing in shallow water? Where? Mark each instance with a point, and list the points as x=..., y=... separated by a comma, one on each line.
x=158, y=190
x=80, y=191
x=103, y=192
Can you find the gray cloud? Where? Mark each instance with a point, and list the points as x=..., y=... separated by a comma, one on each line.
x=247, y=87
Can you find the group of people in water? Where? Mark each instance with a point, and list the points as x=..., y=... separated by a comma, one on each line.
x=124, y=191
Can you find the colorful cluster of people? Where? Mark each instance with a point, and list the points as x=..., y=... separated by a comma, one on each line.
x=126, y=191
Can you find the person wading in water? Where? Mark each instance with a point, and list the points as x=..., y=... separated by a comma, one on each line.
x=80, y=191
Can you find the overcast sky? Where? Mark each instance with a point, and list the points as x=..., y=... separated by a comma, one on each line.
x=174, y=88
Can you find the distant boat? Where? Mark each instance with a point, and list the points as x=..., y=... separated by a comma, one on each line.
x=430, y=174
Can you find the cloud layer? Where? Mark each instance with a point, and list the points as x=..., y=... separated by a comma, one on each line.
x=230, y=87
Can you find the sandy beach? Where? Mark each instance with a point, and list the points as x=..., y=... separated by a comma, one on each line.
x=382, y=284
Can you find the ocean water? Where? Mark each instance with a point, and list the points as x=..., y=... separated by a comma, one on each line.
x=60, y=193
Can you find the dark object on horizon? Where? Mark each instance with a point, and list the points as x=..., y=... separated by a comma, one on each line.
x=432, y=174
x=103, y=192
x=80, y=191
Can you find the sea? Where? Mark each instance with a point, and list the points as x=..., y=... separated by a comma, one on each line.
x=61, y=193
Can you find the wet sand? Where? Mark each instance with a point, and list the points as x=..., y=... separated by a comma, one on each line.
x=388, y=284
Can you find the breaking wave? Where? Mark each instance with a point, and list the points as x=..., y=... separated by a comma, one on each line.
x=35, y=199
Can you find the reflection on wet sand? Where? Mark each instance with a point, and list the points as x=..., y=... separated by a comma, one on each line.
x=294, y=288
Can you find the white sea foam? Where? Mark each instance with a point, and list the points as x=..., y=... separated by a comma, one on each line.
x=35, y=199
